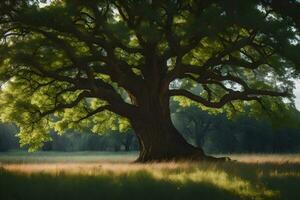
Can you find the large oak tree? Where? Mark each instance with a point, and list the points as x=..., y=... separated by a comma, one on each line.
x=101, y=64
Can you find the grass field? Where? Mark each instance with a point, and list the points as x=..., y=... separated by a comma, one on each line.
x=98, y=175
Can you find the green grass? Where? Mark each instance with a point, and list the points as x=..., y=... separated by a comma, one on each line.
x=66, y=157
x=98, y=175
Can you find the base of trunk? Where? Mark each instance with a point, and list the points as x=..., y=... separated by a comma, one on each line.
x=192, y=159
x=160, y=141
x=194, y=155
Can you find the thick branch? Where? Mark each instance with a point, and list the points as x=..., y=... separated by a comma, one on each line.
x=249, y=95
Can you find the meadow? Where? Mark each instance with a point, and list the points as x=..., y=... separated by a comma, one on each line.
x=105, y=175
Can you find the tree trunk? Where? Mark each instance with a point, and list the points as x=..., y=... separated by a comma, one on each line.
x=127, y=141
x=158, y=139
x=127, y=148
x=162, y=142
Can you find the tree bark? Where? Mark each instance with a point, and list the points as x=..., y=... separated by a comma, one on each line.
x=158, y=139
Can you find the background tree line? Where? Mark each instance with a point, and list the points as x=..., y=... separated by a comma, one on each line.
x=214, y=132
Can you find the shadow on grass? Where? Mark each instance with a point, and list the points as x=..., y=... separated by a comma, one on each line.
x=281, y=178
x=197, y=181
x=138, y=185
x=289, y=187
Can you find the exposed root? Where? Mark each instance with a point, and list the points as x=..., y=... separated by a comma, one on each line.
x=218, y=159
x=197, y=157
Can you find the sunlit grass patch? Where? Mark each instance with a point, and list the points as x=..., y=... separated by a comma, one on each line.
x=266, y=158
x=284, y=174
x=67, y=157
x=220, y=179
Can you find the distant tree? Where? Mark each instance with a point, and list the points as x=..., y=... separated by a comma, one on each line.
x=128, y=140
x=8, y=140
x=193, y=123
x=78, y=64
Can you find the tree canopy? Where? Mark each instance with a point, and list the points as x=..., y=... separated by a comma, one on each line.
x=97, y=64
